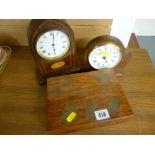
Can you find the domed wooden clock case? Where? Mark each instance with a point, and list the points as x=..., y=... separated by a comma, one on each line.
x=53, y=47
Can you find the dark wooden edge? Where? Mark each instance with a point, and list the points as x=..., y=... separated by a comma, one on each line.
x=134, y=39
x=90, y=126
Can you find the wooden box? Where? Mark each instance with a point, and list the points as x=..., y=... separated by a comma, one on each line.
x=74, y=101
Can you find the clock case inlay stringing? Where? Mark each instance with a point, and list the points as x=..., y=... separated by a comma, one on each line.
x=39, y=26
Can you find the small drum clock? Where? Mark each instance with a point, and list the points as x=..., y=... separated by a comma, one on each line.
x=53, y=47
x=104, y=52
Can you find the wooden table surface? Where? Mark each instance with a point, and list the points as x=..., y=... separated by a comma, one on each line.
x=23, y=103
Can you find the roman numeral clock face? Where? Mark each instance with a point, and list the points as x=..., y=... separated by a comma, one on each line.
x=53, y=48
x=52, y=44
x=105, y=56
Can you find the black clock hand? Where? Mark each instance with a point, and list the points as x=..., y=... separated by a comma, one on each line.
x=105, y=59
x=53, y=43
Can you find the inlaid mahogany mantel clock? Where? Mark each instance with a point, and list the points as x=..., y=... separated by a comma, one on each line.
x=104, y=52
x=53, y=47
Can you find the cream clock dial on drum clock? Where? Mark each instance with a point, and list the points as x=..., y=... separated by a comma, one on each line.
x=104, y=52
x=105, y=56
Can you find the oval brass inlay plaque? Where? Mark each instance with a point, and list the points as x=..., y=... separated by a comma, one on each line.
x=58, y=65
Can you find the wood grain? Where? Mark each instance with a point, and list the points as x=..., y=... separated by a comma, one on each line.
x=23, y=103
x=14, y=22
x=22, y=100
x=83, y=34
x=14, y=31
x=82, y=88
x=13, y=36
x=75, y=22
x=86, y=22
x=139, y=86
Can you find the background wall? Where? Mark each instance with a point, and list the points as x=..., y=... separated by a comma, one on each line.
x=145, y=27
x=122, y=28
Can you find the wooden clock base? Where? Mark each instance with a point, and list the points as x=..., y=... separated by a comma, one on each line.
x=84, y=100
x=41, y=80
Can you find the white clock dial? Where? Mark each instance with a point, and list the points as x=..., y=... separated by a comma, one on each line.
x=105, y=56
x=52, y=44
